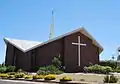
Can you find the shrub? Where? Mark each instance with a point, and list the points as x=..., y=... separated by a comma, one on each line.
x=11, y=73
x=50, y=77
x=11, y=76
x=57, y=62
x=19, y=75
x=111, y=64
x=66, y=79
x=49, y=70
x=113, y=79
x=110, y=79
x=43, y=68
x=11, y=68
x=108, y=69
x=28, y=77
x=40, y=72
x=58, y=72
x=116, y=70
x=38, y=77
x=3, y=69
x=85, y=69
x=99, y=69
x=20, y=70
x=3, y=76
x=106, y=79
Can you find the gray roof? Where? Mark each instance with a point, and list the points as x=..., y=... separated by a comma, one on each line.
x=23, y=45
x=29, y=45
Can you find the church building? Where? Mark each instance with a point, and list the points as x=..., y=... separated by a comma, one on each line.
x=76, y=49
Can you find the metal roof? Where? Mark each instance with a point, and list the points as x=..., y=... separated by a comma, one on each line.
x=29, y=45
x=22, y=45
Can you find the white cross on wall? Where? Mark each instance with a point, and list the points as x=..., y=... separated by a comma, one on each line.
x=79, y=44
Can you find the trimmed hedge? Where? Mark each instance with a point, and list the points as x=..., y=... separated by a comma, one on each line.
x=65, y=78
x=38, y=77
x=28, y=77
x=4, y=76
x=50, y=77
x=19, y=75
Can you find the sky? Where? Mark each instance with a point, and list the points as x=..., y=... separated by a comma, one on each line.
x=31, y=19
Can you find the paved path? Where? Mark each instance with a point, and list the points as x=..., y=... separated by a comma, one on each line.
x=21, y=82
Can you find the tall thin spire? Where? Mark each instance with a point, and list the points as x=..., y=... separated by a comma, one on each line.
x=51, y=34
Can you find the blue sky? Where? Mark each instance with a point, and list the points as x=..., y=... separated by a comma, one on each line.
x=31, y=19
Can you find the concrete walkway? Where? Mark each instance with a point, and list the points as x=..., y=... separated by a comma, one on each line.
x=21, y=82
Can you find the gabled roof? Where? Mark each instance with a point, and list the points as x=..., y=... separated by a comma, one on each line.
x=82, y=30
x=22, y=45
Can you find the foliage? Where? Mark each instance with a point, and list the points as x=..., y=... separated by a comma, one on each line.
x=50, y=77
x=11, y=73
x=3, y=76
x=11, y=76
x=3, y=69
x=113, y=79
x=111, y=64
x=20, y=70
x=40, y=72
x=116, y=70
x=85, y=69
x=11, y=68
x=28, y=77
x=58, y=72
x=110, y=79
x=66, y=79
x=48, y=70
x=19, y=75
x=107, y=69
x=106, y=79
x=38, y=77
x=57, y=62
x=99, y=69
